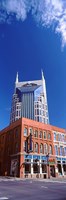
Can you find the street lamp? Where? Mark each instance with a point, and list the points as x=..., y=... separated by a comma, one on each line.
x=48, y=167
x=29, y=144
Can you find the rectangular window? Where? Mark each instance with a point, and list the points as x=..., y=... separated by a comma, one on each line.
x=17, y=113
x=37, y=111
x=58, y=137
x=63, y=138
x=38, y=119
x=16, y=147
x=16, y=133
x=65, y=151
x=25, y=131
x=54, y=136
x=61, y=151
x=56, y=150
x=25, y=146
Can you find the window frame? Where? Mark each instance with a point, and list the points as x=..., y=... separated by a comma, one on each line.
x=25, y=132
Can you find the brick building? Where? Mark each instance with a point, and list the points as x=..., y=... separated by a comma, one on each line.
x=59, y=142
x=32, y=149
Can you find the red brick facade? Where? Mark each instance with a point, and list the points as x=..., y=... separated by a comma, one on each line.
x=16, y=159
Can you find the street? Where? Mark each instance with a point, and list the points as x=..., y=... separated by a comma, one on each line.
x=17, y=189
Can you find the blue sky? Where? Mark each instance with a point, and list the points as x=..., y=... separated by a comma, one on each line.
x=32, y=37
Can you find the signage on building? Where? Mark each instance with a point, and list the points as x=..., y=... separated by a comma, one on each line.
x=36, y=157
x=51, y=161
x=28, y=156
x=43, y=158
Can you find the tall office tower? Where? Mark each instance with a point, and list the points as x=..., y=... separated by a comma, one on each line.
x=30, y=101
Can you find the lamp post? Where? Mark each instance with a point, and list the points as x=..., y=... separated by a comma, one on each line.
x=28, y=147
x=48, y=167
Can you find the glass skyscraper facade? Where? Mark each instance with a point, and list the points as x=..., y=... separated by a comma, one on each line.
x=30, y=101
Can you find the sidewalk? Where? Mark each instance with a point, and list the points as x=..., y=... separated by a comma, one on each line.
x=51, y=179
x=58, y=178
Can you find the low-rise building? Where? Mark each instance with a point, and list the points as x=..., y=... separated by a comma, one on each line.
x=59, y=140
x=28, y=149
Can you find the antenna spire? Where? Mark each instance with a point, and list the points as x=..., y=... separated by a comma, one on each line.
x=17, y=78
x=43, y=84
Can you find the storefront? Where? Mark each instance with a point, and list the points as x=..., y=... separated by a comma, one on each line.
x=52, y=167
x=34, y=166
x=27, y=165
x=14, y=167
x=38, y=167
x=61, y=166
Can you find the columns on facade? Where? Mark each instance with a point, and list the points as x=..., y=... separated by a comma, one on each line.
x=48, y=171
x=32, y=166
x=21, y=166
x=40, y=165
x=62, y=168
x=56, y=168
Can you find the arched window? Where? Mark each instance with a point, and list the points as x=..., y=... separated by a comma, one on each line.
x=44, y=135
x=41, y=148
x=50, y=149
x=30, y=130
x=35, y=133
x=49, y=136
x=41, y=134
x=36, y=147
x=45, y=148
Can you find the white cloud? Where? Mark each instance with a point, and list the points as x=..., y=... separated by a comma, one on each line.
x=17, y=7
x=46, y=12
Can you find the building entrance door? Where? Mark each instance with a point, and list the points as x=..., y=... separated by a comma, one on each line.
x=59, y=168
x=52, y=170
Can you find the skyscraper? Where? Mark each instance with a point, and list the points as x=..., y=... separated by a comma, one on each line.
x=30, y=101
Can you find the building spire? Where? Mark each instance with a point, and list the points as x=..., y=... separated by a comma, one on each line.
x=17, y=78
x=42, y=74
x=43, y=84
